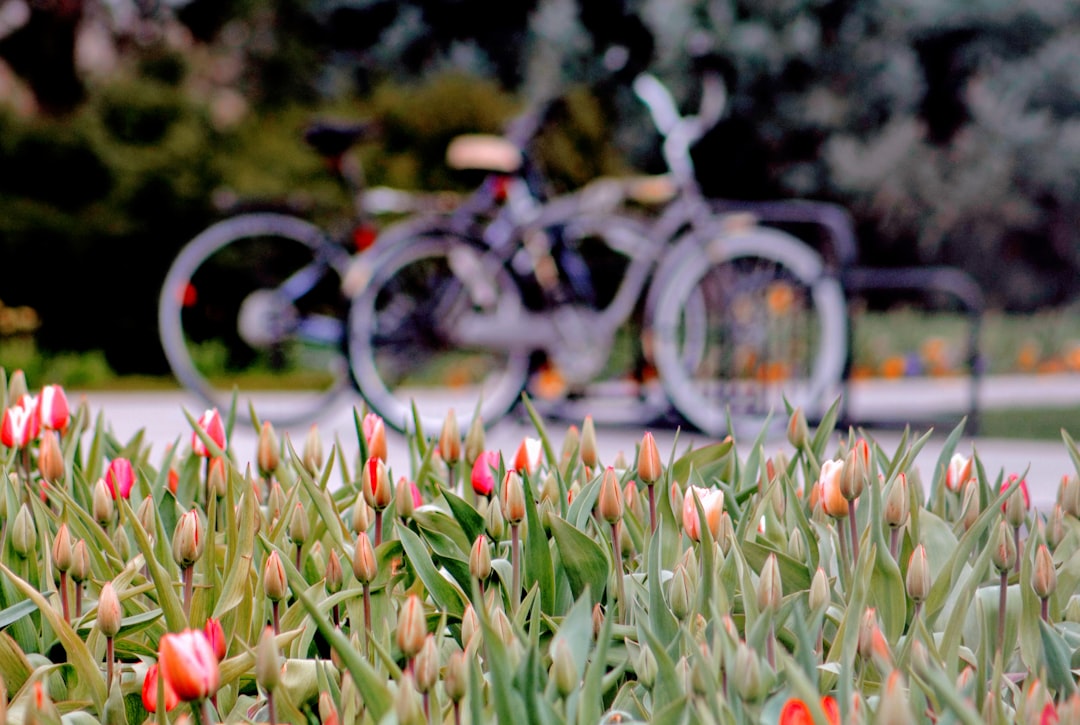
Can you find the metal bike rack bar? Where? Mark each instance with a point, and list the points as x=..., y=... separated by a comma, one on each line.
x=950, y=281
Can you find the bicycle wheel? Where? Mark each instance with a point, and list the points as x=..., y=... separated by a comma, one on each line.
x=766, y=323
x=253, y=304
x=409, y=339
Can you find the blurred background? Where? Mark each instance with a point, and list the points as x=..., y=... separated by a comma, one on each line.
x=949, y=128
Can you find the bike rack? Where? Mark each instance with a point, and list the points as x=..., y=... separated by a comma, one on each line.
x=842, y=250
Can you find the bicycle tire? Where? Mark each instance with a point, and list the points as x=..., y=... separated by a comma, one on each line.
x=227, y=322
x=404, y=339
x=774, y=330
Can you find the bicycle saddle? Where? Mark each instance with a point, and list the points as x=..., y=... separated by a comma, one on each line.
x=333, y=138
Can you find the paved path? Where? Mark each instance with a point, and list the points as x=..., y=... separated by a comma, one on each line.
x=161, y=415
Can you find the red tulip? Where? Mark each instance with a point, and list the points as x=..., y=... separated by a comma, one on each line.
x=796, y=712
x=483, y=472
x=120, y=477
x=189, y=664
x=417, y=499
x=150, y=688
x=212, y=425
x=20, y=424
x=53, y=408
x=527, y=457
x=216, y=635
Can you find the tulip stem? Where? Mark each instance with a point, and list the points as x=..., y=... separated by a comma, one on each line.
x=78, y=599
x=336, y=615
x=271, y=711
x=64, y=596
x=202, y=712
x=110, y=655
x=275, y=608
x=652, y=508
x=770, y=644
x=1045, y=610
x=894, y=539
x=378, y=527
x=189, y=581
x=844, y=560
x=1002, y=600
x=515, y=564
x=1016, y=543
x=616, y=543
x=367, y=618
x=854, y=538
x=457, y=713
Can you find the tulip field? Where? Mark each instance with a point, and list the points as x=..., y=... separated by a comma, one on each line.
x=826, y=580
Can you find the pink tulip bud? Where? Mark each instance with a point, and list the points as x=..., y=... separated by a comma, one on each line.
x=216, y=636
x=53, y=408
x=120, y=477
x=211, y=424
x=484, y=471
x=20, y=424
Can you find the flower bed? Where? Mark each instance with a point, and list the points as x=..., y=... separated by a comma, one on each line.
x=537, y=585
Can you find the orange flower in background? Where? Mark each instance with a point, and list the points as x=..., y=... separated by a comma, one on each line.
x=797, y=712
x=189, y=664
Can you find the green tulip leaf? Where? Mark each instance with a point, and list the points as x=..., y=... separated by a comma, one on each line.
x=445, y=594
x=583, y=560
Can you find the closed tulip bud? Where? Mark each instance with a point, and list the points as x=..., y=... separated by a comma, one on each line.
x=725, y=533
x=796, y=547
x=480, y=559
x=213, y=426
x=958, y=472
x=150, y=692
x=51, y=458
x=855, y=471
x=513, y=498
x=365, y=566
x=1069, y=495
x=633, y=500
x=1016, y=508
x=411, y=626
x=749, y=681
x=275, y=502
x=1044, y=577
x=570, y=444
x=188, y=539
x=897, y=503
x=267, y=661
x=474, y=440
x=61, y=548
x=374, y=430
x=403, y=499
x=335, y=576
x=312, y=457
x=456, y=679
x=407, y=702
x=484, y=470
x=426, y=666
x=470, y=625
x=215, y=635
x=588, y=448
x=80, y=562
x=597, y=619
x=770, y=591
x=549, y=490
x=1072, y=609
x=102, y=503
x=24, y=533
x=109, y=612
x=378, y=491
x=893, y=707
x=268, y=452
x=798, y=431
x=918, y=575
x=970, y=506
x=820, y=595
x=450, y=439
x=216, y=481
x=1055, y=526
x=328, y=714
x=1003, y=554
x=503, y=627
x=610, y=502
x=121, y=544
x=361, y=514
x=681, y=593
x=564, y=670
x=1069, y=711
x=494, y=521
x=650, y=469
x=147, y=515
x=645, y=667
x=832, y=498
x=53, y=409
x=17, y=386
x=275, y=585
x=299, y=528
x=711, y=501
